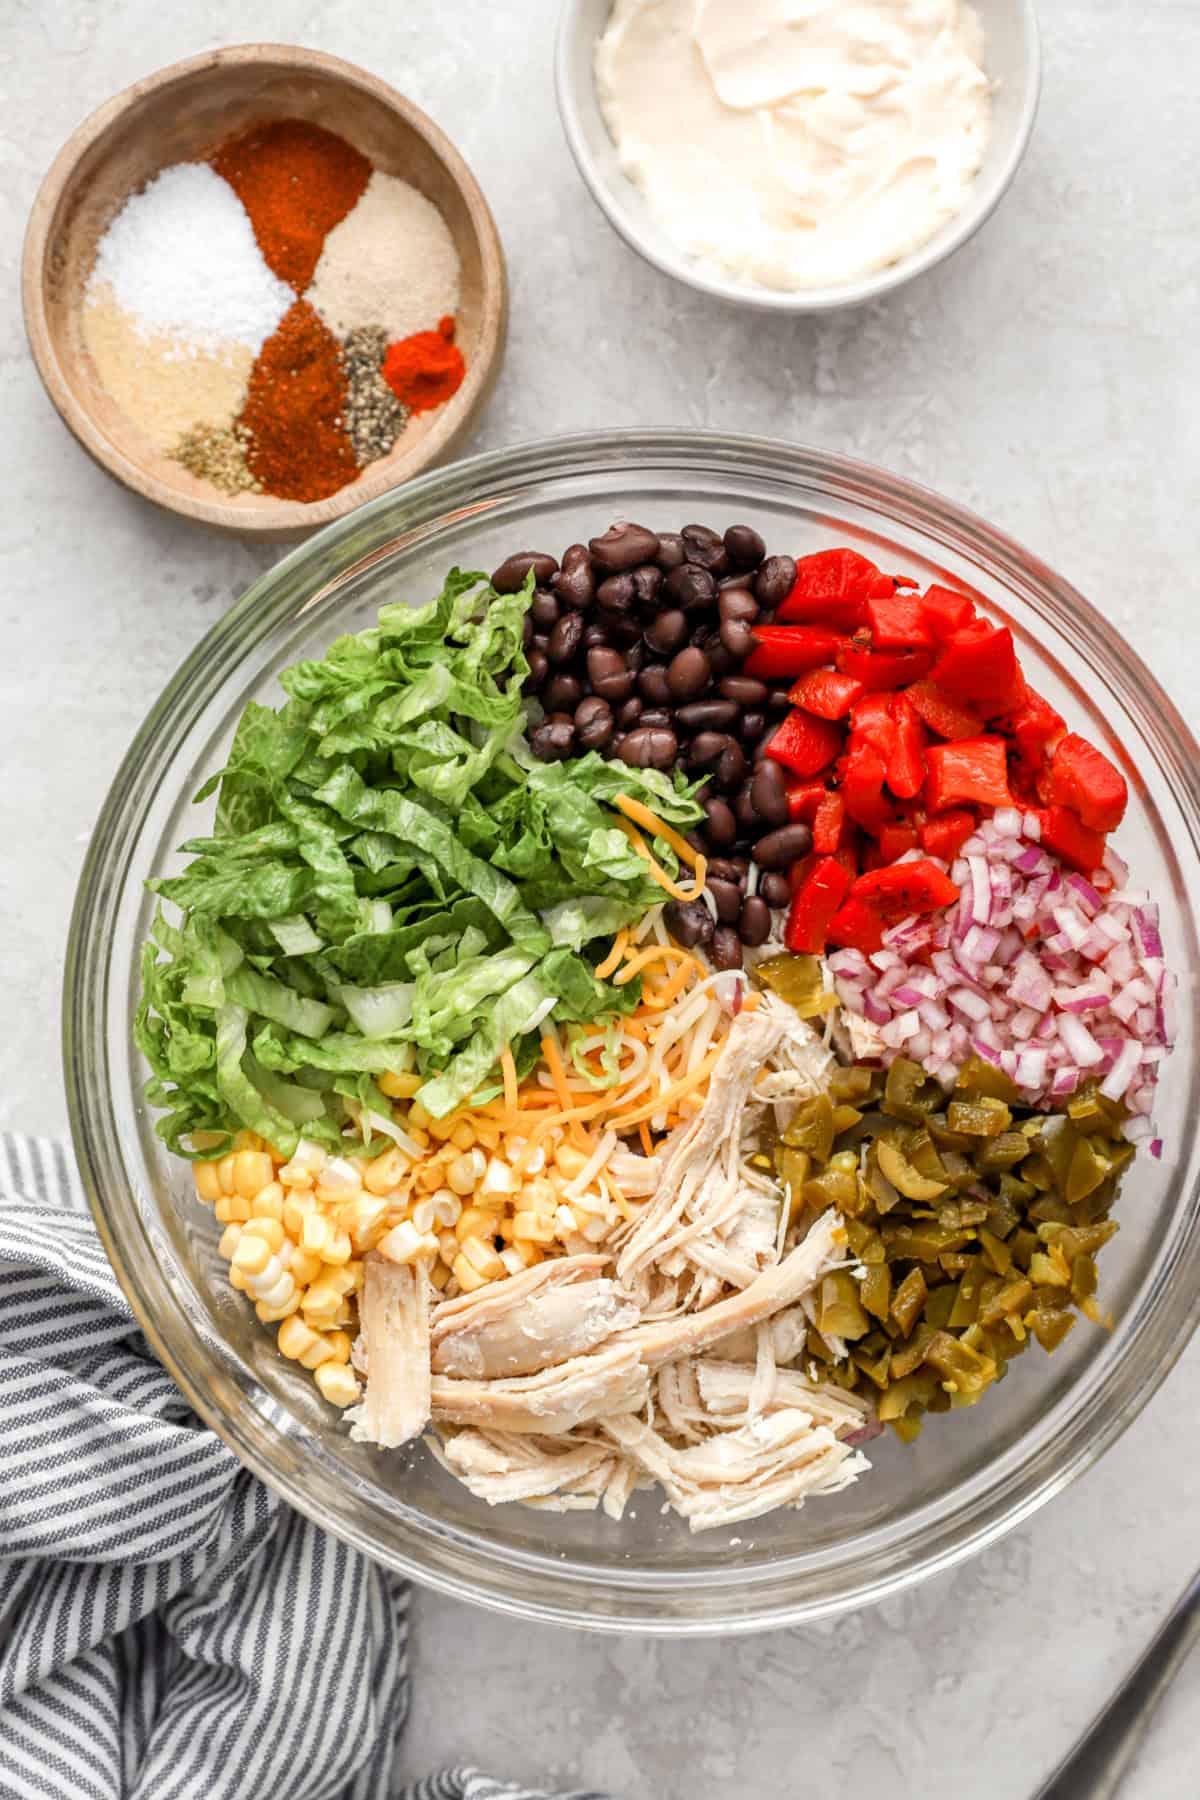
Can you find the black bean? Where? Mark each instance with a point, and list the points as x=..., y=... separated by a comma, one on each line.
x=653, y=686
x=775, y=580
x=737, y=603
x=538, y=668
x=744, y=810
x=696, y=838
x=742, y=865
x=509, y=578
x=725, y=951
x=562, y=693
x=777, y=701
x=704, y=547
x=608, y=674
x=775, y=890
x=720, y=660
x=769, y=793
x=630, y=713
x=690, y=587
x=737, y=638
x=650, y=748
x=623, y=546
x=658, y=715
x=752, y=726
x=594, y=635
x=723, y=869
x=626, y=632
x=728, y=898
x=722, y=826
x=744, y=689
x=707, y=715
x=566, y=638
x=615, y=593
x=635, y=652
x=754, y=921
x=742, y=581
x=543, y=609
x=688, y=673
x=647, y=579
x=780, y=848
x=689, y=922
x=745, y=546
x=732, y=765
x=575, y=584
x=526, y=632
x=667, y=632
x=554, y=738
x=706, y=749
x=593, y=723
x=670, y=551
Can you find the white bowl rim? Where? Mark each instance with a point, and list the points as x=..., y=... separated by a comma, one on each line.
x=654, y=248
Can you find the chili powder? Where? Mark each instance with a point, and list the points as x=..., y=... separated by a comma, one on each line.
x=296, y=181
x=294, y=411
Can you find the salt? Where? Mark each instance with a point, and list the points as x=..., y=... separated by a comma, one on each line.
x=181, y=259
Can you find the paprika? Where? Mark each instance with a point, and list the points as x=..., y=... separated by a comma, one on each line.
x=294, y=411
x=424, y=370
x=297, y=181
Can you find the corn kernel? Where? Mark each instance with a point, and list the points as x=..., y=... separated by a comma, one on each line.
x=274, y=1287
x=252, y=1171
x=405, y=1244
x=271, y=1315
x=315, y=1233
x=401, y=1084
x=467, y=1275
x=304, y=1266
x=466, y=1172
x=296, y=1181
x=420, y=1138
x=564, y=1221
x=269, y=1230
x=295, y=1337
x=463, y=1136
x=338, y=1384
x=237, y=1279
x=476, y=1221
x=535, y=1162
x=429, y=1178
x=268, y=1203
x=528, y=1253
x=418, y=1117
x=342, y=1277
x=358, y=1217
x=534, y=1227
x=208, y=1181
x=448, y=1246
x=340, y=1343
x=322, y=1303
x=539, y=1195
x=481, y=1255
x=339, y=1247
x=229, y=1241
x=512, y=1261
x=225, y=1175
x=500, y=1180
x=569, y=1161
x=296, y=1208
x=251, y=1255
x=231, y=1209
x=439, y=1274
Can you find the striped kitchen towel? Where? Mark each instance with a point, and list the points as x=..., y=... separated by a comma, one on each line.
x=169, y=1629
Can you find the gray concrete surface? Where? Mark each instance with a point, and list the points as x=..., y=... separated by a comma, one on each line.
x=1046, y=376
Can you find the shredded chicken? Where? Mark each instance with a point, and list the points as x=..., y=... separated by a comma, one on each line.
x=663, y=1355
x=395, y=1329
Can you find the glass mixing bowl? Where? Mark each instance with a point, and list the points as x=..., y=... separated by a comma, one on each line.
x=972, y=1475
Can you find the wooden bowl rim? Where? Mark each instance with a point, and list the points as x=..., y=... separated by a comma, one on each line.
x=271, y=518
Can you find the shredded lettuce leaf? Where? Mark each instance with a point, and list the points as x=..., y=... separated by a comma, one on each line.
x=392, y=882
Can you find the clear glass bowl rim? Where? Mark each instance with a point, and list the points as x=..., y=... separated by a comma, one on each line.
x=636, y=1599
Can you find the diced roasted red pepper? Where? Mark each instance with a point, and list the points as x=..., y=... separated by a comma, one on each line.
x=862, y=787
x=945, y=834
x=813, y=906
x=945, y=716
x=980, y=664
x=804, y=797
x=1033, y=728
x=856, y=925
x=882, y=669
x=871, y=721
x=782, y=651
x=906, y=764
x=896, y=840
x=971, y=769
x=826, y=693
x=907, y=887
x=1081, y=777
x=829, y=822
x=804, y=744
x=1065, y=833
x=898, y=623
x=946, y=612
x=833, y=588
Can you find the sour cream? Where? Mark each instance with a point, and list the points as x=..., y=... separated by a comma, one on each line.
x=796, y=143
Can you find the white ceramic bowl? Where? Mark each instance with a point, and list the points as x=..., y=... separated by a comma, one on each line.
x=1012, y=59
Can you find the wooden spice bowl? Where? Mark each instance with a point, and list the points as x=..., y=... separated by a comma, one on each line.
x=182, y=114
